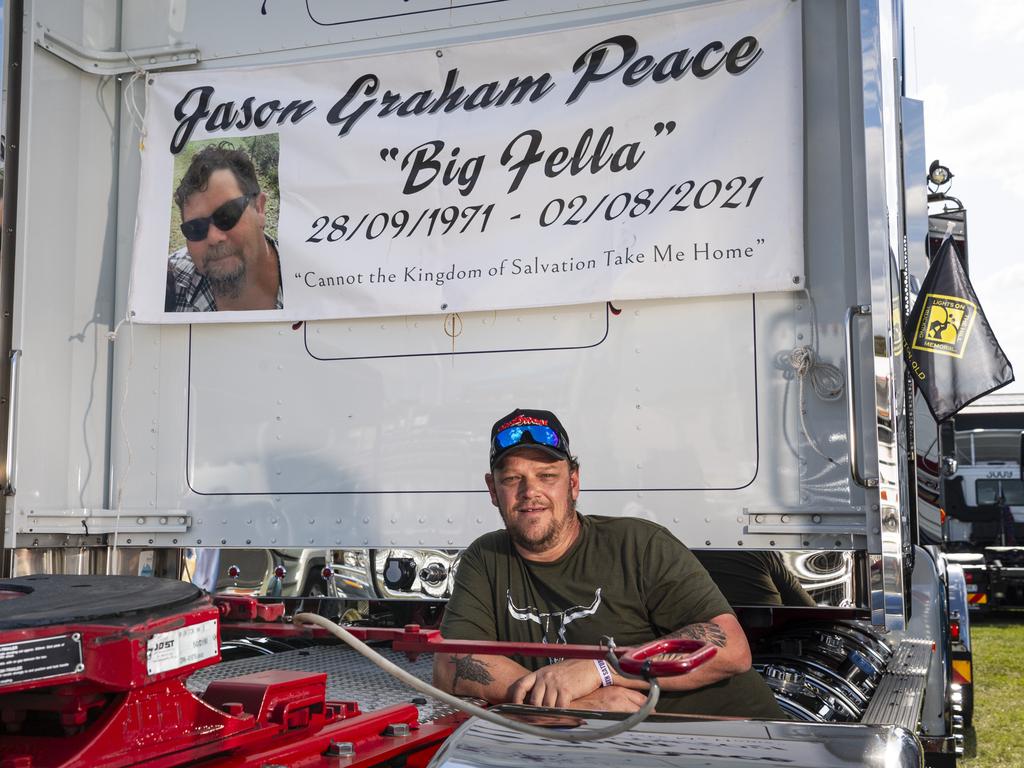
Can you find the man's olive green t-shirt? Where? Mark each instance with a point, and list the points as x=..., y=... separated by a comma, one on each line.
x=624, y=578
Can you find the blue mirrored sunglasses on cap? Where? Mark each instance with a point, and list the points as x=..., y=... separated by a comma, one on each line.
x=538, y=434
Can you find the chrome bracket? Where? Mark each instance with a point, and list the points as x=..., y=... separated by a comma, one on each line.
x=106, y=63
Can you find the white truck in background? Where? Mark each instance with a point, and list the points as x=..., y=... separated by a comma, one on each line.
x=984, y=507
x=340, y=460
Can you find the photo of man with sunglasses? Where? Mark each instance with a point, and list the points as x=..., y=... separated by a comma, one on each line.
x=553, y=575
x=228, y=262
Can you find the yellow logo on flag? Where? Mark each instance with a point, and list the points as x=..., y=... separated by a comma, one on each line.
x=945, y=325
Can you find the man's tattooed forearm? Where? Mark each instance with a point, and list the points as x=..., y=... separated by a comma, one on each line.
x=469, y=668
x=709, y=632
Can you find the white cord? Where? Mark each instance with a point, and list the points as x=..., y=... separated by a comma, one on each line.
x=131, y=105
x=492, y=717
x=122, y=415
x=826, y=381
x=137, y=117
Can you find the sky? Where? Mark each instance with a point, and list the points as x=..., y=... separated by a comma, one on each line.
x=962, y=58
x=961, y=61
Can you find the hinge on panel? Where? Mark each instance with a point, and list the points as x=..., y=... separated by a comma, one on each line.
x=102, y=521
x=839, y=521
x=100, y=62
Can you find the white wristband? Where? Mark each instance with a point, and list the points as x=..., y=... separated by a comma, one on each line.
x=604, y=671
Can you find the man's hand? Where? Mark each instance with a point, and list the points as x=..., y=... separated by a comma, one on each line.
x=614, y=698
x=557, y=685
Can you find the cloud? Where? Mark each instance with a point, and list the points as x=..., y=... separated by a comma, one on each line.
x=1001, y=295
x=982, y=136
x=998, y=21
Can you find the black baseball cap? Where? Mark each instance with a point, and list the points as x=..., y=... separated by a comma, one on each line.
x=524, y=428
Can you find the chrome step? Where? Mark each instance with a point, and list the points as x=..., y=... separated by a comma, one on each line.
x=900, y=693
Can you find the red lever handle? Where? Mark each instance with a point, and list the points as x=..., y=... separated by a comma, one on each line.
x=694, y=653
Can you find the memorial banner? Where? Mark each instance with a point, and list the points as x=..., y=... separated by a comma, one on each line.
x=658, y=156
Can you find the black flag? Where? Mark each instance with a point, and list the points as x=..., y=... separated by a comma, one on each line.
x=952, y=353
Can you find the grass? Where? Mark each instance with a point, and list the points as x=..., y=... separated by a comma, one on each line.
x=997, y=739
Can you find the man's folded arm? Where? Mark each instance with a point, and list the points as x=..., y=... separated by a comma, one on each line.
x=733, y=657
x=484, y=677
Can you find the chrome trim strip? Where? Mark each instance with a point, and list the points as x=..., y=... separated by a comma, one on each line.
x=883, y=201
x=11, y=464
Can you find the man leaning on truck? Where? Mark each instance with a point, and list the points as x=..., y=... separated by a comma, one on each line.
x=556, y=576
x=228, y=262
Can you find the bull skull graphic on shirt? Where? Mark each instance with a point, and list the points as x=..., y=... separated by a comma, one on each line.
x=564, y=618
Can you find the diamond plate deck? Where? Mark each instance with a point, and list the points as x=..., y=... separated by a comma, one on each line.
x=350, y=677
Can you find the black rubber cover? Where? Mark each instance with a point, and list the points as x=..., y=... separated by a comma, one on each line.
x=52, y=600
